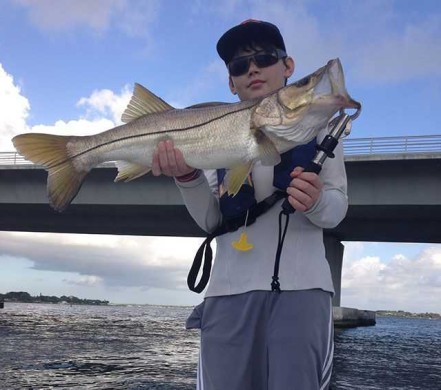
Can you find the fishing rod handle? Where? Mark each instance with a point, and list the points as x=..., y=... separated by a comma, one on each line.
x=312, y=167
x=339, y=126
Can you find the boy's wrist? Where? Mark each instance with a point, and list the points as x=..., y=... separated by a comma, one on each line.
x=189, y=176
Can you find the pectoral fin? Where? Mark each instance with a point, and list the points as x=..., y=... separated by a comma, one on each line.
x=128, y=171
x=267, y=150
x=236, y=176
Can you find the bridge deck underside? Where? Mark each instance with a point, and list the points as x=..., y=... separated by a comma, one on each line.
x=362, y=223
x=396, y=201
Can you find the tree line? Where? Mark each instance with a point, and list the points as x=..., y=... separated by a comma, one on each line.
x=25, y=297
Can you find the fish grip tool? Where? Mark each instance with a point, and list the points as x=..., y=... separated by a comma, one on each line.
x=339, y=126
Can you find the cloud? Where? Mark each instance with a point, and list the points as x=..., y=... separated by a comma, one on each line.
x=85, y=281
x=117, y=261
x=399, y=283
x=75, y=127
x=103, y=110
x=149, y=263
x=131, y=17
x=15, y=110
x=105, y=103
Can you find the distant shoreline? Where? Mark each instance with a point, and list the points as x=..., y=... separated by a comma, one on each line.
x=406, y=314
x=24, y=297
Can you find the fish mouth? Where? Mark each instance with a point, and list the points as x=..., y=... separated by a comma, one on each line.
x=323, y=88
x=331, y=84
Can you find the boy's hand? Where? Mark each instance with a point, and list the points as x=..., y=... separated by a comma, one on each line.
x=169, y=161
x=304, y=189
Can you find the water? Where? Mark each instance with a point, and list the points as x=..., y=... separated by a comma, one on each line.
x=397, y=353
x=147, y=347
x=96, y=347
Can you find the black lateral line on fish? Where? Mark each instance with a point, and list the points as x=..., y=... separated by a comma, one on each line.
x=156, y=132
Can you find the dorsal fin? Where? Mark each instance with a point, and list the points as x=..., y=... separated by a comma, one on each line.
x=143, y=102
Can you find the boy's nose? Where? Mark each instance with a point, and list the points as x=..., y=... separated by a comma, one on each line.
x=252, y=67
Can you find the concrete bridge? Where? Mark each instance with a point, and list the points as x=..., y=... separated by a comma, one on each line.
x=394, y=188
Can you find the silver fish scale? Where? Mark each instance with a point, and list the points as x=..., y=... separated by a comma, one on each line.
x=209, y=137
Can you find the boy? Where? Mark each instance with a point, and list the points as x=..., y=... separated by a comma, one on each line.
x=251, y=337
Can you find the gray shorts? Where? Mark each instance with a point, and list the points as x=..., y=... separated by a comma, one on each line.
x=264, y=340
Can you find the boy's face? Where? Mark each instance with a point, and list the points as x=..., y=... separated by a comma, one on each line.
x=257, y=82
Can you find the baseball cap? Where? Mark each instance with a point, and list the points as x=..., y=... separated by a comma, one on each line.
x=250, y=30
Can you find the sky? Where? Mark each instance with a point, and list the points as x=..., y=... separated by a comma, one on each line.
x=68, y=67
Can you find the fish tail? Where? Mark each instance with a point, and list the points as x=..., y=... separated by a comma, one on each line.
x=51, y=151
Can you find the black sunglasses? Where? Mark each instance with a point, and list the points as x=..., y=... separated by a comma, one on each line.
x=240, y=65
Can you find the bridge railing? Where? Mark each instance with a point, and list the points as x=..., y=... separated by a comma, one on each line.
x=352, y=146
x=15, y=159
x=392, y=145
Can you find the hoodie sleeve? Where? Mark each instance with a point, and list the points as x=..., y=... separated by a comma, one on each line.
x=332, y=205
x=201, y=199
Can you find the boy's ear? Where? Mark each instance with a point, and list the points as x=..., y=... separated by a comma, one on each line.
x=289, y=66
x=232, y=86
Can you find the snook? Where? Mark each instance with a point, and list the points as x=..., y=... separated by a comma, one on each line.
x=209, y=135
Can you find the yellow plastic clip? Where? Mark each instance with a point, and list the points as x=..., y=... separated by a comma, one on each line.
x=242, y=244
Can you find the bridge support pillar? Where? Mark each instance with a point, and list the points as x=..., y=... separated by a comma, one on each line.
x=334, y=254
